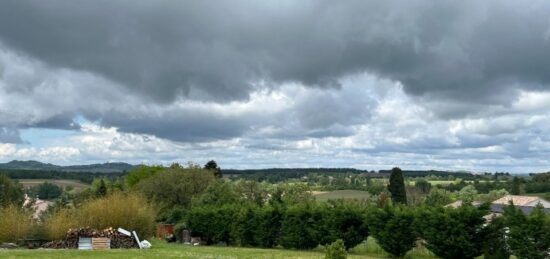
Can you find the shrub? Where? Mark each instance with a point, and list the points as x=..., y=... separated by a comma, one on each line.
x=268, y=226
x=10, y=192
x=57, y=225
x=130, y=211
x=336, y=250
x=256, y=226
x=212, y=223
x=345, y=220
x=46, y=191
x=15, y=223
x=302, y=227
x=495, y=245
x=393, y=229
x=529, y=236
x=453, y=233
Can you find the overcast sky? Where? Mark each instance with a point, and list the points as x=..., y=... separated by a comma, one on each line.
x=457, y=85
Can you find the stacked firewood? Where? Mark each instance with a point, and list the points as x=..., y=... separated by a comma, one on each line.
x=118, y=240
x=58, y=244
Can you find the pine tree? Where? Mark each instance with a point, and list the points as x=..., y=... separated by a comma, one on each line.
x=397, y=186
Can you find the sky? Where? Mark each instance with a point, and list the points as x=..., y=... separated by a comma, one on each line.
x=420, y=84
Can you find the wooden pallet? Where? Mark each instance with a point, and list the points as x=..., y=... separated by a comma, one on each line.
x=101, y=243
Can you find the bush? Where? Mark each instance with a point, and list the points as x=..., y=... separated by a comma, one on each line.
x=345, y=220
x=15, y=223
x=46, y=191
x=10, y=192
x=393, y=229
x=57, y=224
x=212, y=223
x=453, y=233
x=495, y=245
x=128, y=211
x=336, y=250
x=302, y=227
x=529, y=236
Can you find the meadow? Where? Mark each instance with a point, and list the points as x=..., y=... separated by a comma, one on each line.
x=63, y=183
x=341, y=194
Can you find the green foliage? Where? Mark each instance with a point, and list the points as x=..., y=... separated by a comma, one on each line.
x=467, y=194
x=252, y=191
x=336, y=250
x=345, y=220
x=212, y=223
x=141, y=173
x=529, y=236
x=101, y=189
x=495, y=245
x=213, y=166
x=516, y=186
x=492, y=195
x=218, y=193
x=453, y=233
x=15, y=223
x=46, y=191
x=393, y=229
x=423, y=185
x=291, y=194
x=176, y=186
x=302, y=227
x=10, y=192
x=438, y=197
x=397, y=186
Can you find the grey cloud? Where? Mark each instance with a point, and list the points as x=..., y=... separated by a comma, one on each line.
x=465, y=50
x=10, y=135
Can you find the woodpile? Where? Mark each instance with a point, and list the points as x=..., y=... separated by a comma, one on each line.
x=58, y=244
x=118, y=240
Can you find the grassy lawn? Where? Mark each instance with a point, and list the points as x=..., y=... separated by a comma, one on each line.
x=341, y=194
x=164, y=250
x=78, y=186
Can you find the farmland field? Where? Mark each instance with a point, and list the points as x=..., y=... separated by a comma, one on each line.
x=78, y=186
x=341, y=194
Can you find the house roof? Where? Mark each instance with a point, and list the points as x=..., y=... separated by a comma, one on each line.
x=499, y=208
x=517, y=200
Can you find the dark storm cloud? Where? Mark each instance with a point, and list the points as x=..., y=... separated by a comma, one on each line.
x=184, y=127
x=474, y=51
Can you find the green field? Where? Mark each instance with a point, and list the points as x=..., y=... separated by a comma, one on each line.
x=78, y=186
x=162, y=249
x=342, y=194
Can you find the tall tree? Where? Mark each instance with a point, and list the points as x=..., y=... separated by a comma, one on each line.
x=516, y=186
x=397, y=186
x=213, y=166
x=10, y=192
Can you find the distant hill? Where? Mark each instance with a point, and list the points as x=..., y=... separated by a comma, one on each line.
x=39, y=166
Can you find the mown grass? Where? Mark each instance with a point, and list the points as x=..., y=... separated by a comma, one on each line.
x=164, y=250
x=160, y=249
